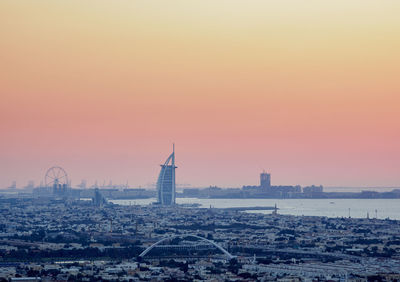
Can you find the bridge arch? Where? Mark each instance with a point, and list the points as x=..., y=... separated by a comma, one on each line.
x=187, y=235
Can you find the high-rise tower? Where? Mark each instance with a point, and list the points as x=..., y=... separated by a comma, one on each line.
x=265, y=180
x=166, y=181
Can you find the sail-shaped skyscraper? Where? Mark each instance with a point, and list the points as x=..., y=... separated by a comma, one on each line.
x=166, y=181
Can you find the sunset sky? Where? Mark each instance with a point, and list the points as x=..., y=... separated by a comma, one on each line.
x=307, y=90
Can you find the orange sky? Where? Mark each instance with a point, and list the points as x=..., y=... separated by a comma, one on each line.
x=308, y=90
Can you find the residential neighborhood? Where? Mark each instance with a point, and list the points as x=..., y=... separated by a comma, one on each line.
x=61, y=240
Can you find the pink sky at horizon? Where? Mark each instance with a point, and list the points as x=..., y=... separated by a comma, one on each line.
x=308, y=91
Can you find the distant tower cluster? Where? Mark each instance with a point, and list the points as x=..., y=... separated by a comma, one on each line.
x=166, y=181
x=98, y=199
x=59, y=189
x=57, y=179
x=265, y=180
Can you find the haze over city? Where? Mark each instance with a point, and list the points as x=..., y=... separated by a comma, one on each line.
x=212, y=140
x=308, y=91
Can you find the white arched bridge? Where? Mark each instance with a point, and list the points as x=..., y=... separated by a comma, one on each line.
x=229, y=256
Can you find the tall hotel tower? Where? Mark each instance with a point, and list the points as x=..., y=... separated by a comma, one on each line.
x=166, y=181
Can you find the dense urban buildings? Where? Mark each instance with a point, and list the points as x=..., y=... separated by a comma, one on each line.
x=69, y=234
x=266, y=190
x=58, y=240
x=166, y=187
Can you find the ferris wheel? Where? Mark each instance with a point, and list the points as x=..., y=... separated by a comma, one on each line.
x=56, y=175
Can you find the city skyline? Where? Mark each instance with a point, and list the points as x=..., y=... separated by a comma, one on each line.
x=307, y=91
x=206, y=140
x=110, y=183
